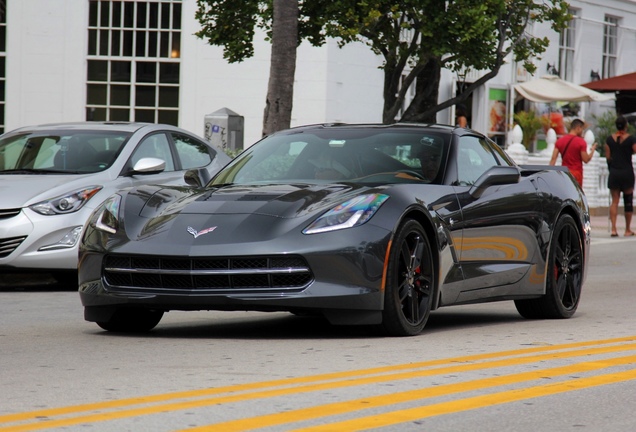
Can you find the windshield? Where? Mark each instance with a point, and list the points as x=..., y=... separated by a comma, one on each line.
x=337, y=154
x=70, y=152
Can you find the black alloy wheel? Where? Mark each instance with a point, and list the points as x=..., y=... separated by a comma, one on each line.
x=564, y=275
x=131, y=320
x=410, y=281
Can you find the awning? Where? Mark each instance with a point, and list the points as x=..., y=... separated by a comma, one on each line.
x=625, y=82
x=551, y=88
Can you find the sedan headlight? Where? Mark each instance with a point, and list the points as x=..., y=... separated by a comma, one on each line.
x=353, y=212
x=64, y=204
x=108, y=215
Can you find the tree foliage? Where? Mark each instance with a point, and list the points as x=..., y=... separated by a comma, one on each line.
x=416, y=38
x=232, y=24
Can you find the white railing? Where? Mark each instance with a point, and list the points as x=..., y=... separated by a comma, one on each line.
x=595, y=172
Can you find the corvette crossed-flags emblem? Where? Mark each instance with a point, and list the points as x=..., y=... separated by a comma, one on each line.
x=196, y=233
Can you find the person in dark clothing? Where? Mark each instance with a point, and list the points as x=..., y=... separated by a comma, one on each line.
x=619, y=148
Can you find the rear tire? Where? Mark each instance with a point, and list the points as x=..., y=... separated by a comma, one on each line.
x=410, y=279
x=564, y=275
x=132, y=320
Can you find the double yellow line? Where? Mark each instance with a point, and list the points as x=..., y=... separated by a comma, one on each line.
x=187, y=400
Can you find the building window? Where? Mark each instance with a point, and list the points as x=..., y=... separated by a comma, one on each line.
x=133, y=68
x=3, y=56
x=610, y=41
x=567, y=42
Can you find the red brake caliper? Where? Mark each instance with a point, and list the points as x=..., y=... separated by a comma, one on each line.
x=417, y=282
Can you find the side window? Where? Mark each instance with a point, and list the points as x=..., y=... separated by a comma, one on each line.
x=155, y=146
x=192, y=153
x=474, y=157
x=501, y=156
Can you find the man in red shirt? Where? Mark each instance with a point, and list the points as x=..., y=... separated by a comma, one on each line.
x=573, y=150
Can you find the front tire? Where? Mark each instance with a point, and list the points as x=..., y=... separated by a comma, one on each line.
x=564, y=275
x=67, y=279
x=409, y=282
x=132, y=320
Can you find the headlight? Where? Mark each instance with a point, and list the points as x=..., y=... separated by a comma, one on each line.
x=64, y=204
x=350, y=213
x=108, y=215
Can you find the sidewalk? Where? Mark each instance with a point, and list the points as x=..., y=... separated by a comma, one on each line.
x=601, y=225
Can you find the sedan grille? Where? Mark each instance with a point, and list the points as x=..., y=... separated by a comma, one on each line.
x=9, y=213
x=218, y=275
x=10, y=244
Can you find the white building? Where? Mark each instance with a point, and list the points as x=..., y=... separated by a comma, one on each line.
x=70, y=60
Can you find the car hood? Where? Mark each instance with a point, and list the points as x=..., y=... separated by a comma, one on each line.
x=19, y=191
x=281, y=201
x=169, y=215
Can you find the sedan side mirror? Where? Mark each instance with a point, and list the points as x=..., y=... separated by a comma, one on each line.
x=497, y=175
x=149, y=165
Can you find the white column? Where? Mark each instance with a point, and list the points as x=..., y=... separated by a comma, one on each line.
x=516, y=150
x=550, y=139
x=591, y=173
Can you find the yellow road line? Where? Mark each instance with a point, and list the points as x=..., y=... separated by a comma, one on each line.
x=304, y=385
x=419, y=413
x=338, y=408
x=32, y=415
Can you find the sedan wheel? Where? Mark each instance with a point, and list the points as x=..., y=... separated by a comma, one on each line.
x=132, y=320
x=564, y=275
x=409, y=282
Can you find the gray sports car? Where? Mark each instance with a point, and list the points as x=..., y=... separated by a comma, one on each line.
x=362, y=224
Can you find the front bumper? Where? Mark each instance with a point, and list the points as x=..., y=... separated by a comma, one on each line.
x=32, y=241
x=346, y=273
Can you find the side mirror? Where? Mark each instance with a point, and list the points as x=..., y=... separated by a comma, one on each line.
x=197, y=177
x=149, y=166
x=497, y=175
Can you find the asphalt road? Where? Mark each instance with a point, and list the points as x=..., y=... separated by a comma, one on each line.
x=477, y=368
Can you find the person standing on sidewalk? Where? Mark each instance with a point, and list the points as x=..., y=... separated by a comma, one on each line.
x=573, y=150
x=619, y=148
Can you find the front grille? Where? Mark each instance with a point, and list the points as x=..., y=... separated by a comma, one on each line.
x=8, y=245
x=219, y=275
x=9, y=213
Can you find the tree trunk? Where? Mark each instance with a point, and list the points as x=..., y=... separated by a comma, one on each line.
x=391, y=87
x=280, y=90
x=426, y=94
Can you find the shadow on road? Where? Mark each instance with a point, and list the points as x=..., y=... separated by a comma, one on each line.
x=287, y=326
x=33, y=282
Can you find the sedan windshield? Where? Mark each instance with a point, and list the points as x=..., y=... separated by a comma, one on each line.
x=70, y=152
x=340, y=154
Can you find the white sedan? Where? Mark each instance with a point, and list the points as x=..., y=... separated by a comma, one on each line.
x=53, y=176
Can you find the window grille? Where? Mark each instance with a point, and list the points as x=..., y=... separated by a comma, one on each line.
x=567, y=43
x=133, y=64
x=610, y=41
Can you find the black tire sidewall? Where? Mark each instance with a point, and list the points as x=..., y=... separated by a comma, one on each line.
x=393, y=319
x=132, y=321
x=552, y=289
